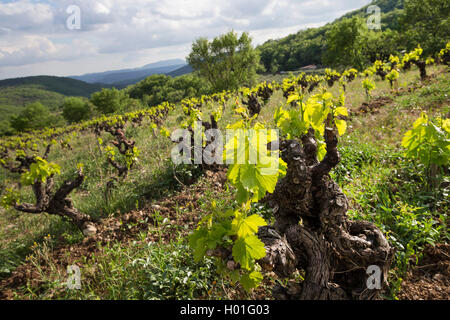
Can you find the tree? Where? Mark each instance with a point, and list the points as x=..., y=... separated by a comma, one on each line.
x=380, y=45
x=159, y=88
x=294, y=51
x=110, y=101
x=35, y=116
x=227, y=62
x=76, y=109
x=345, y=43
x=5, y=128
x=426, y=22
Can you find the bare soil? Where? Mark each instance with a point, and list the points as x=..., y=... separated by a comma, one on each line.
x=430, y=279
x=374, y=105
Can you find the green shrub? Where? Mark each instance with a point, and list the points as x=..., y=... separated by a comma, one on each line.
x=76, y=109
x=33, y=117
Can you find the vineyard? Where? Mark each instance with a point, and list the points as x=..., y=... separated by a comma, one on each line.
x=361, y=180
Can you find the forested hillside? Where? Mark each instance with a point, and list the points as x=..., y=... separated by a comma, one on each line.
x=17, y=93
x=130, y=76
x=401, y=29
x=61, y=85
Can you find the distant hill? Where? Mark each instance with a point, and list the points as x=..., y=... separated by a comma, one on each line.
x=181, y=71
x=61, y=85
x=14, y=97
x=122, y=78
x=50, y=91
x=144, y=75
x=164, y=63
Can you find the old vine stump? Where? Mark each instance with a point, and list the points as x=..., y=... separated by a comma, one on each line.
x=313, y=233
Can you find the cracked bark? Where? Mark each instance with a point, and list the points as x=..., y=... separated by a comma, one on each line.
x=57, y=203
x=312, y=232
x=254, y=106
x=422, y=68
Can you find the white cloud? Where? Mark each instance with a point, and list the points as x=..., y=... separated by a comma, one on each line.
x=34, y=32
x=24, y=15
x=31, y=49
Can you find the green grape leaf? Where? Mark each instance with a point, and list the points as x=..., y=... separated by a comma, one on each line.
x=251, y=280
x=292, y=97
x=248, y=249
x=341, y=111
x=197, y=241
x=243, y=226
x=341, y=125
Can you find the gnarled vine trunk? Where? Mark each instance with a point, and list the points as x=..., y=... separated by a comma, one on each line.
x=313, y=233
x=59, y=203
x=422, y=68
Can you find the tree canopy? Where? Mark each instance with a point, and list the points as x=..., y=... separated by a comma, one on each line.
x=345, y=42
x=226, y=62
x=110, y=101
x=77, y=109
x=33, y=117
x=159, y=88
x=426, y=22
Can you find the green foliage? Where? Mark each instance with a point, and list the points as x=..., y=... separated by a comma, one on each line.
x=252, y=179
x=399, y=204
x=379, y=45
x=430, y=60
x=33, y=117
x=428, y=141
x=160, y=88
x=40, y=170
x=76, y=110
x=413, y=55
x=235, y=231
x=170, y=273
x=9, y=199
x=247, y=250
x=227, y=62
x=353, y=158
x=348, y=42
x=61, y=85
x=17, y=97
x=109, y=101
x=426, y=22
x=131, y=157
x=296, y=122
x=350, y=74
x=368, y=85
x=444, y=53
x=5, y=128
x=140, y=270
x=392, y=76
x=345, y=42
x=309, y=46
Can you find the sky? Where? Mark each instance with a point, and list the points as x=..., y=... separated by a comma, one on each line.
x=44, y=37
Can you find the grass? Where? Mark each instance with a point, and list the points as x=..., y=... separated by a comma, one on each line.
x=137, y=270
x=382, y=186
x=391, y=193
